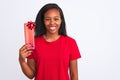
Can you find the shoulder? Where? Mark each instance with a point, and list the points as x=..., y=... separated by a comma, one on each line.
x=68, y=38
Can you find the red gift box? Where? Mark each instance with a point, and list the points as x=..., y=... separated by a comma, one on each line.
x=29, y=33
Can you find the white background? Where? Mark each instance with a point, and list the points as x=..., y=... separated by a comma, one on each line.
x=95, y=24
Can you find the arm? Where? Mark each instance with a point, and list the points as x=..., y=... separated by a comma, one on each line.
x=28, y=67
x=73, y=70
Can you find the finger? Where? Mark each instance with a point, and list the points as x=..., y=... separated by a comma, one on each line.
x=25, y=47
x=25, y=54
x=22, y=48
x=25, y=51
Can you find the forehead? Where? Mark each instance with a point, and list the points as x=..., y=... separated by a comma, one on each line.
x=53, y=11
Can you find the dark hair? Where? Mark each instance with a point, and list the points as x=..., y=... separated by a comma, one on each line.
x=40, y=27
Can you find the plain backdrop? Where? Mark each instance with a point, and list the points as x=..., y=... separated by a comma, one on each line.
x=94, y=24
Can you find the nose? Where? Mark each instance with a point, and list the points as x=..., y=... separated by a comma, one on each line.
x=52, y=21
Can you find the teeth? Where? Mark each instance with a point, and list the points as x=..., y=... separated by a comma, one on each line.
x=52, y=28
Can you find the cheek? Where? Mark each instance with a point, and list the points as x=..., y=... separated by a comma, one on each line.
x=46, y=23
x=59, y=24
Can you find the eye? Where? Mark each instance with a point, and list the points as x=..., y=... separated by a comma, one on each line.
x=47, y=19
x=56, y=19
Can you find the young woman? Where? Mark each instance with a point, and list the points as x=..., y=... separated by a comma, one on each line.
x=55, y=54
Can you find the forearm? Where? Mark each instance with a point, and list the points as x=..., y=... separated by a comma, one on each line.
x=74, y=77
x=26, y=69
x=73, y=70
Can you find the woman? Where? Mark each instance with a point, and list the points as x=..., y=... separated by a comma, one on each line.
x=55, y=55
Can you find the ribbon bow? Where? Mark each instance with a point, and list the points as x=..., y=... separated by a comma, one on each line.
x=31, y=25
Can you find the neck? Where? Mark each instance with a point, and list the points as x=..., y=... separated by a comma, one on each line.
x=51, y=37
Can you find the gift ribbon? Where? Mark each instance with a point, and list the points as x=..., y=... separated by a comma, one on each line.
x=31, y=25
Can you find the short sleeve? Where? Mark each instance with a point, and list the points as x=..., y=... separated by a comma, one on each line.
x=75, y=53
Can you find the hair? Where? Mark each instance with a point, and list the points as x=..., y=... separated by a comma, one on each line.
x=40, y=27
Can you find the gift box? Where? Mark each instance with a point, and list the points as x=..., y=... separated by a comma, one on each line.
x=29, y=33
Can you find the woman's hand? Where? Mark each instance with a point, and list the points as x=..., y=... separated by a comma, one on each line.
x=24, y=52
x=27, y=66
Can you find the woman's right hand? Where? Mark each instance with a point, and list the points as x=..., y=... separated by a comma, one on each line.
x=28, y=67
x=24, y=52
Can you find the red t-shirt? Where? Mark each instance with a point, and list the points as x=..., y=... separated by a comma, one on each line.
x=53, y=58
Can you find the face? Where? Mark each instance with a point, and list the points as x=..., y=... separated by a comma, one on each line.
x=52, y=21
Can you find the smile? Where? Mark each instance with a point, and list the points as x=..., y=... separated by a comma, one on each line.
x=52, y=28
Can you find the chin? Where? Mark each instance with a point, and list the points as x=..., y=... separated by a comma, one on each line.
x=53, y=32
